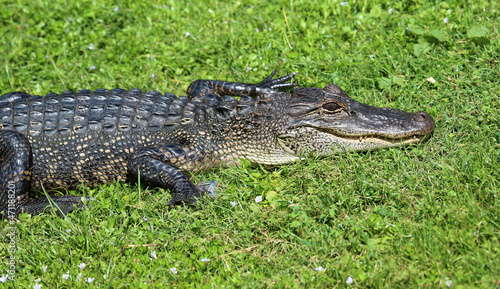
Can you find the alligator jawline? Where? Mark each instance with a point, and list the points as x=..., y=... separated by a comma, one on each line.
x=373, y=138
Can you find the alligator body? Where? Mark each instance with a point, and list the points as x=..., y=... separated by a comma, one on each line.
x=90, y=137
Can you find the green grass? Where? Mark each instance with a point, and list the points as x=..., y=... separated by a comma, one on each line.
x=421, y=216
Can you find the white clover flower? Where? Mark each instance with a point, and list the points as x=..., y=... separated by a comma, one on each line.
x=153, y=254
x=233, y=204
x=91, y=46
x=79, y=276
x=68, y=231
x=349, y=280
x=445, y=20
x=343, y=3
x=173, y=270
x=431, y=80
x=205, y=260
x=116, y=9
x=319, y=269
x=4, y=278
x=37, y=286
x=449, y=283
x=390, y=10
x=44, y=269
x=187, y=34
x=258, y=199
x=145, y=219
x=81, y=266
x=65, y=276
x=90, y=280
x=92, y=67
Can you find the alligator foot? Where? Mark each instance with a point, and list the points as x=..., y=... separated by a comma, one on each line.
x=62, y=205
x=210, y=91
x=204, y=189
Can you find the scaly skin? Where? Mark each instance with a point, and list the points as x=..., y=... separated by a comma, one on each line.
x=93, y=137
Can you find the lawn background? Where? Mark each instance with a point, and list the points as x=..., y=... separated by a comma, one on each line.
x=421, y=216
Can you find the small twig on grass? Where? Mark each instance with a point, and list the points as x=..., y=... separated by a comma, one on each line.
x=125, y=247
x=249, y=249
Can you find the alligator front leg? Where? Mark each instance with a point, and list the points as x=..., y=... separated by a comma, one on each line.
x=211, y=90
x=16, y=162
x=158, y=165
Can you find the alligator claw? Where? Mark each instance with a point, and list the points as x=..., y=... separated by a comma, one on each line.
x=269, y=83
x=207, y=188
x=269, y=77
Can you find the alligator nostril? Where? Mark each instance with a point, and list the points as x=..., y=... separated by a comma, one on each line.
x=421, y=116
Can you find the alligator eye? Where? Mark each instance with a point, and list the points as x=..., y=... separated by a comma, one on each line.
x=331, y=107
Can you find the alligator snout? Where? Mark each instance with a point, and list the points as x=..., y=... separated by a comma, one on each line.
x=423, y=119
x=422, y=116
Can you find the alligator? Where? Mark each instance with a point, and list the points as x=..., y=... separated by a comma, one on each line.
x=92, y=137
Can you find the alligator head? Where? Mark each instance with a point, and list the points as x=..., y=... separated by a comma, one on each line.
x=327, y=121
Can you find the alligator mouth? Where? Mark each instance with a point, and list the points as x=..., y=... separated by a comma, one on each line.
x=325, y=141
x=346, y=143
x=383, y=140
x=381, y=137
